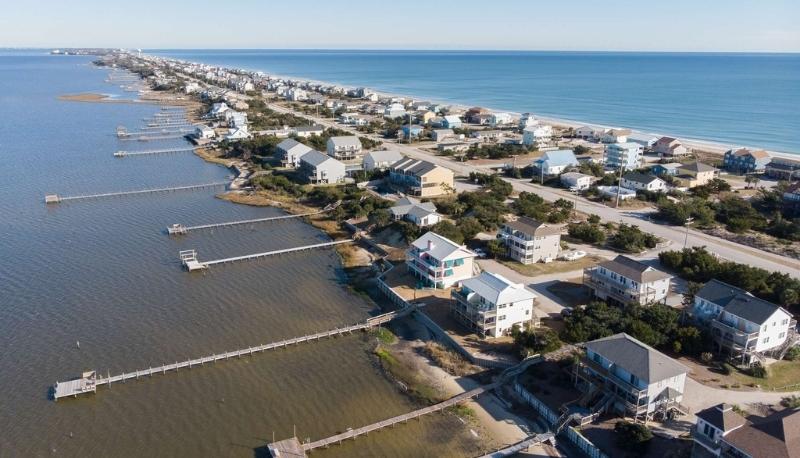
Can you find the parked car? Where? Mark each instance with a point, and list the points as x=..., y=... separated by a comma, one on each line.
x=572, y=255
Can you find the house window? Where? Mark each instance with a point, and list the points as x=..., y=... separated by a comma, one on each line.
x=502, y=317
x=782, y=335
x=786, y=321
x=766, y=339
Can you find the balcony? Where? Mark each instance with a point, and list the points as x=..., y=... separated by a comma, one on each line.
x=707, y=442
x=611, y=288
x=732, y=337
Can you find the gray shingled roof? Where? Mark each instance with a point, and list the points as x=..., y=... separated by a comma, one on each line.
x=751, y=308
x=316, y=158
x=777, y=436
x=640, y=177
x=722, y=417
x=634, y=270
x=644, y=362
x=698, y=167
x=531, y=226
x=718, y=292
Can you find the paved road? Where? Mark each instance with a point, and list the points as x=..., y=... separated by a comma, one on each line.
x=723, y=248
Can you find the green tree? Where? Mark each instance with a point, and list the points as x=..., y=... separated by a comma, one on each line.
x=448, y=230
x=633, y=437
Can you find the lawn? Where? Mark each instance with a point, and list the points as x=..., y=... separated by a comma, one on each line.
x=782, y=376
x=555, y=267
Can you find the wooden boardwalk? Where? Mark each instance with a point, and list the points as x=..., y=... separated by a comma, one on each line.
x=177, y=229
x=151, y=152
x=192, y=263
x=523, y=445
x=55, y=198
x=89, y=381
x=354, y=433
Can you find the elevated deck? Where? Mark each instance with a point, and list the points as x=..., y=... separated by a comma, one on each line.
x=178, y=229
x=192, y=263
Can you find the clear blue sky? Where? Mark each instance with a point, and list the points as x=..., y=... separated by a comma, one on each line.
x=628, y=25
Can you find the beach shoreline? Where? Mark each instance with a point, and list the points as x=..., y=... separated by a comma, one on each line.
x=708, y=146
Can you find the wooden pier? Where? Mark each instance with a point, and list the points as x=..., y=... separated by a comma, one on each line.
x=89, y=381
x=354, y=433
x=55, y=198
x=180, y=229
x=523, y=445
x=189, y=257
x=151, y=152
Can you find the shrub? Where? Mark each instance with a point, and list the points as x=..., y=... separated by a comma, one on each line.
x=791, y=402
x=792, y=354
x=633, y=437
x=587, y=232
x=758, y=371
x=706, y=357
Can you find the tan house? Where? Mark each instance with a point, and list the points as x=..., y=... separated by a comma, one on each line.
x=421, y=178
x=694, y=174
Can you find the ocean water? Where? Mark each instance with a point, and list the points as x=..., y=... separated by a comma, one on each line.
x=104, y=272
x=736, y=99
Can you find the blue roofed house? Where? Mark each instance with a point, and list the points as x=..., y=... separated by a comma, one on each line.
x=555, y=162
x=670, y=169
x=412, y=131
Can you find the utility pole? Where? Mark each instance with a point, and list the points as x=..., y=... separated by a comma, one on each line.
x=619, y=182
x=686, y=236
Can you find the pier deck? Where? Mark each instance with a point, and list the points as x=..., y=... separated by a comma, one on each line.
x=55, y=198
x=88, y=382
x=177, y=229
x=151, y=152
x=192, y=263
x=523, y=445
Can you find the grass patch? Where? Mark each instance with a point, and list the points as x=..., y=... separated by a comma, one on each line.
x=555, y=267
x=781, y=376
x=408, y=375
x=463, y=411
x=447, y=359
x=384, y=336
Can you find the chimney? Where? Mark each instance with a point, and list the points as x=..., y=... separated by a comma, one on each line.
x=430, y=245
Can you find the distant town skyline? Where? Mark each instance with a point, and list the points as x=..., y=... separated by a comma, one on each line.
x=571, y=25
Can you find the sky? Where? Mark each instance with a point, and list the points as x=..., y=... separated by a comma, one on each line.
x=558, y=25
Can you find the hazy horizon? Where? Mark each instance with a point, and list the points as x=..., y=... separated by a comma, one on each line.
x=572, y=25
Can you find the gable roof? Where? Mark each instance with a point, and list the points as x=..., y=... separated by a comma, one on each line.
x=776, y=436
x=757, y=154
x=531, y=226
x=643, y=178
x=633, y=269
x=442, y=248
x=410, y=205
x=315, y=158
x=346, y=141
x=719, y=293
x=559, y=157
x=722, y=417
x=497, y=289
x=292, y=144
x=413, y=166
x=697, y=167
x=385, y=156
x=643, y=361
x=752, y=308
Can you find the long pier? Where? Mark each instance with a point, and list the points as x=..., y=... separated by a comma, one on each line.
x=353, y=433
x=152, y=152
x=89, y=380
x=178, y=229
x=55, y=198
x=189, y=257
x=143, y=138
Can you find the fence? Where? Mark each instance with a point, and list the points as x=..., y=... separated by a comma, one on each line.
x=551, y=417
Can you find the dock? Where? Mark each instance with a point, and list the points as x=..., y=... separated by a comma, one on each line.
x=523, y=445
x=354, y=433
x=151, y=152
x=89, y=380
x=189, y=257
x=55, y=198
x=180, y=229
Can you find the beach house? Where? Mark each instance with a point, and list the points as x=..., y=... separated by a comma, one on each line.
x=538, y=135
x=381, y=160
x=616, y=136
x=318, y=168
x=442, y=134
x=204, y=133
x=500, y=119
x=586, y=133
x=744, y=160
x=643, y=182
x=630, y=378
x=491, y=305
x=344, y=148
x=670, y=169
x=527, y=120
x=290, y=151
x=669, y=147
x=236, y=134
x=394, y=111
x=421, y=178
x=743, y=326
x=711, y=426
x=418, y=213
x=781, y=168
x=528, y=241
x=777, y=435
x=451, y=122
x=576, y=181
x=439, y=262
x=694, y=174
x=412, y=131
x=555, y=162
x=625, y=280
x=306, y=131
x=623, y=155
